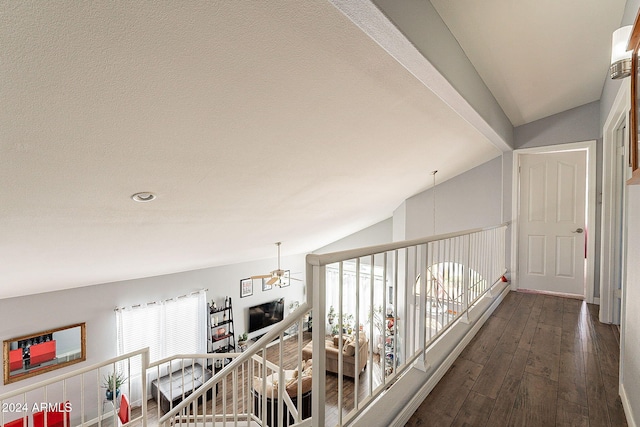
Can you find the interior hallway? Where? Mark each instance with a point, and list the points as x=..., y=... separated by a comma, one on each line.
x=538, y=361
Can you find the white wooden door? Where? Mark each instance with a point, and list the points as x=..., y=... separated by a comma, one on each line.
x=552, y=230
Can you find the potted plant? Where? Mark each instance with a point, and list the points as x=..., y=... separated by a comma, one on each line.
x=242, y=339
x=112, y=382
x=347, y=323
x=332, y=315
x=335, y=329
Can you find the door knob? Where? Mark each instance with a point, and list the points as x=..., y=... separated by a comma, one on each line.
x=578, y=230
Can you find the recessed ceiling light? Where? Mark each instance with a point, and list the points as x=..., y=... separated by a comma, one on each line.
x=143, y=196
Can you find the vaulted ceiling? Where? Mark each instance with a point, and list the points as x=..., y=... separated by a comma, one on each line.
x=252, y=122
x=538, y=57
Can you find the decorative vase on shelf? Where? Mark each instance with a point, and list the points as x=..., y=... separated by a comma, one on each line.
x=242, y=339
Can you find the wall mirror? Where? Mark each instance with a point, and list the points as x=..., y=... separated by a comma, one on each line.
x=34, y=354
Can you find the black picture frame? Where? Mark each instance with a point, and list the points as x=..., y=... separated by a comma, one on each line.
x=246, y=288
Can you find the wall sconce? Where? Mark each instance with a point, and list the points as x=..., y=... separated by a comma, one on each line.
x=620, y=56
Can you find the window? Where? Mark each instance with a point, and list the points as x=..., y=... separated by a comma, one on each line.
x=166, y=327
x=349, y=293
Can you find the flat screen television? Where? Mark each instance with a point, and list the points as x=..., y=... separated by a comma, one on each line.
x=267, y=314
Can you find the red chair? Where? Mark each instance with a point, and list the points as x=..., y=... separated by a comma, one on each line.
x=43, y=352
x=54, y=418
x=15, y=360
x=123, y=413
x=20, y=422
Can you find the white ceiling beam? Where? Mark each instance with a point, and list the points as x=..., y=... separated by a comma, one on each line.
x=415, y=35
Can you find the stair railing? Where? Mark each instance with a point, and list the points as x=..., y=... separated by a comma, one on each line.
x=251, y=387
x=173, y=379
x=80, y=393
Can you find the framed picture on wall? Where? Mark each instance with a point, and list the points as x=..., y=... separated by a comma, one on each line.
x=265, y=285
x=285, y=280
x=246, y=287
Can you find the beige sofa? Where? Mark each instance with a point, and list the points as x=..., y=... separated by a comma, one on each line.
x=291, y=388
x=348, y=355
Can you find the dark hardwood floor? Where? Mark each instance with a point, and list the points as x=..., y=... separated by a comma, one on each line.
x=538, y=361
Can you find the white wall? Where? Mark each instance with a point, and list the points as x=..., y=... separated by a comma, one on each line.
x=629, y=360
x=377, y=234
x=399, y=220
x=575, y=125
x=95, y=304
x=470, y=200
x=630, y=327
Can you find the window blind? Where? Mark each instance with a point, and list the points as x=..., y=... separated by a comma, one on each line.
x=166, y=327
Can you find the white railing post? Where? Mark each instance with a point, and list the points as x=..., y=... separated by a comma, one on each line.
x=372, y=314
x=145, y=365
x=490, y=263
x=357, y=334
x=383, y=355
x=340, y=338
x=466, y=276
x=318, y=283
x=396, y=351
x=422, y=319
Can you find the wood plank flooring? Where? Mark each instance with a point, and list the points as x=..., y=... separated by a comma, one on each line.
x=538, y=361
x=289, y=361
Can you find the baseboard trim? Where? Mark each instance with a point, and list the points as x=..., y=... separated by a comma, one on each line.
x=412, y=406
x=551, y=293
x=628, y=413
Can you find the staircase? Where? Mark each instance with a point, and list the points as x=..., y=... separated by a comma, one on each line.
x=435, y=293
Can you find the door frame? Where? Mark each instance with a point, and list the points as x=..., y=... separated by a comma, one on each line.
x=590, y=148
x=617, y=115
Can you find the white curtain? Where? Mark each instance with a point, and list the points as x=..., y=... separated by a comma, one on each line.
x=167, y=327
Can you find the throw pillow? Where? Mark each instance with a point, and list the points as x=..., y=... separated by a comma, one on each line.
x=271, y=389
x=349, y=348
x=292, y=386
x=307, y=372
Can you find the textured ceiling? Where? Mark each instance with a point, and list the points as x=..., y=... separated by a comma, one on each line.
x=538, y=57
x=254, y=122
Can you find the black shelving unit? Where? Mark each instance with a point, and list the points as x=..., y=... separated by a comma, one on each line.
x=222, y=337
